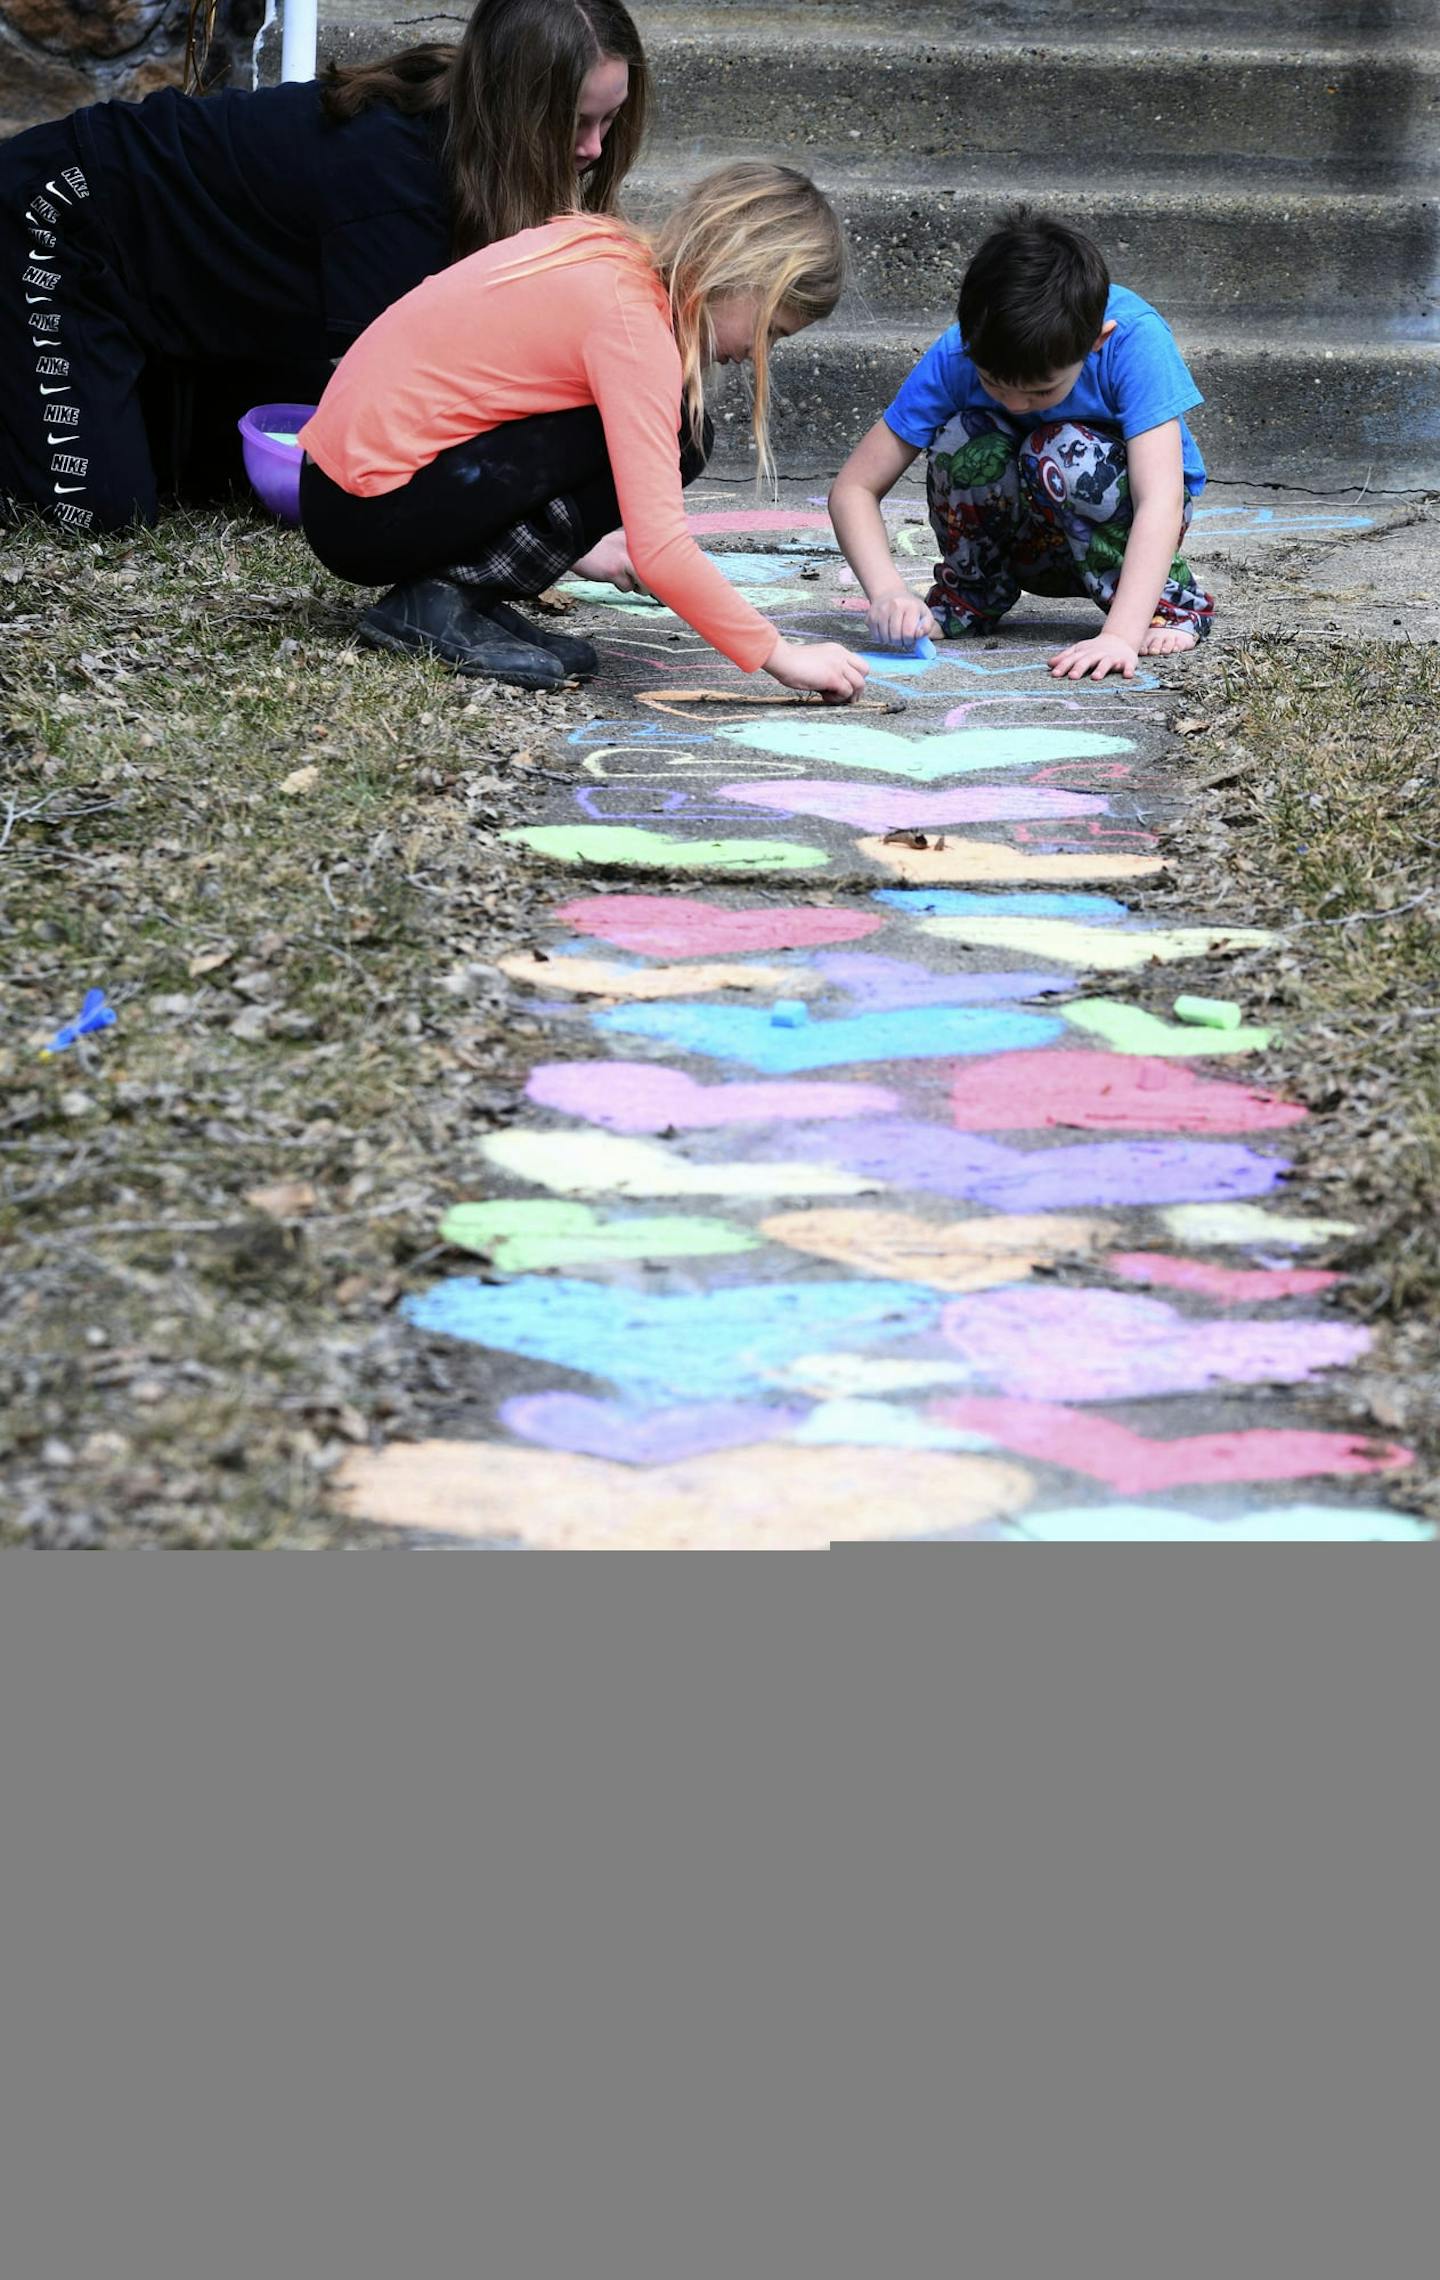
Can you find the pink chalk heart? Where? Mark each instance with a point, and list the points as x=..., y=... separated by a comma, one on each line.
x=1139, y=1466
x=640, y=1096
x=585, y=1427
x=881, y=807
x=1232, y=1286
x=1102, y=1345
x=672, y=926
x=1107, y=1092
x=757, y=518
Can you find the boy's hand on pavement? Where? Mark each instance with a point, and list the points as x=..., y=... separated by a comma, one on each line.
x=822, y=668
x=609, y=564
x=895, y=620
x=1103, y=653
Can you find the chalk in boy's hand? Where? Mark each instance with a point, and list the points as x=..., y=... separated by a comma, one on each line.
x=899, y=620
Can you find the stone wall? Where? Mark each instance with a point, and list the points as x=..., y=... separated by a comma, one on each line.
x=57, y=54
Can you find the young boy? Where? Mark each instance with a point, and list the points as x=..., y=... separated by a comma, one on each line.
x=1058, y=459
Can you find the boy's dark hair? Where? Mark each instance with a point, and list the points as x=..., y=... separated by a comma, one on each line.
x=1033, y=299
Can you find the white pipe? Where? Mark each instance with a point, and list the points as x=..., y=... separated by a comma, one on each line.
x=258, y=43
x=300, y=37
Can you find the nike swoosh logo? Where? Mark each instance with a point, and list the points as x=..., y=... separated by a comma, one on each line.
x=56, y=192
x=66, y=435
x=32, y=298
x=62, y=390
x=62, y=490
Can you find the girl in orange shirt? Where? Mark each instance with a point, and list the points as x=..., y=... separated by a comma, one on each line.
x=492, y=429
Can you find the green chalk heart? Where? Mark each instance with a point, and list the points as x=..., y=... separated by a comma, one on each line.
x=1128, y=1029
x=624, y=843
x=528, y=1238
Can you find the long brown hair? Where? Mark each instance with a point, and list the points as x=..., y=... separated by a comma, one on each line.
x=512, y=91
x=749, y=227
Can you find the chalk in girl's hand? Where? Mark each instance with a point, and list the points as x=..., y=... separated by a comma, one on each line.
x=1208, y=1013
x=789, y=1013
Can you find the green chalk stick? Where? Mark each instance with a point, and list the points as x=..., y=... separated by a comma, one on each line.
x=1208, y=1013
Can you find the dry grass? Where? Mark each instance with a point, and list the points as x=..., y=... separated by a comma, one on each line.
x=306, y=1000
x=1320, y=771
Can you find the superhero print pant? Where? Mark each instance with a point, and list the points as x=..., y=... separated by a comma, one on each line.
x=1049, y=513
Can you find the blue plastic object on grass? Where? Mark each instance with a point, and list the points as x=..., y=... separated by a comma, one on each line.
x=94, y=1014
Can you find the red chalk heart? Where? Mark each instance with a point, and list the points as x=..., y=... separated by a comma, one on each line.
x=672, y=926
x=1107, y=1092
x=1081, y=1442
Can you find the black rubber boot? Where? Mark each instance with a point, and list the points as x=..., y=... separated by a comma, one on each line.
x=430, y=617
x=579, y=657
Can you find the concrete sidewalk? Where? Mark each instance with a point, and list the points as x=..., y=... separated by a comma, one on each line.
x=861, y=1191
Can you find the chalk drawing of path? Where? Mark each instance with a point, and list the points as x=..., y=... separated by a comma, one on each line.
x=901, y=1211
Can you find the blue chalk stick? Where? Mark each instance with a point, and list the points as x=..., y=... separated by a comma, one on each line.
x=789, y=1013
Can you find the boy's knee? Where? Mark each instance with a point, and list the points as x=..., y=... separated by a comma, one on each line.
x=1067, y=464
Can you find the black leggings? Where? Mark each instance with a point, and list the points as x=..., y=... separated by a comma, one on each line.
x=513, y=506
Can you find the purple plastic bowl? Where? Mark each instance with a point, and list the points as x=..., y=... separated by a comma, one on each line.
x=274, y=468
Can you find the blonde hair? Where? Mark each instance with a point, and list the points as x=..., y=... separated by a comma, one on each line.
x=750, y=227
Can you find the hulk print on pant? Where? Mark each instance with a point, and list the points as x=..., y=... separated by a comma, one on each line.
x=1049, y=514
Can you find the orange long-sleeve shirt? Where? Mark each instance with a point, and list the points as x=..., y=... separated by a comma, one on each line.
x=553, y=319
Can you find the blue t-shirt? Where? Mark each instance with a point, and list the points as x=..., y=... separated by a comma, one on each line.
x=1135, y=380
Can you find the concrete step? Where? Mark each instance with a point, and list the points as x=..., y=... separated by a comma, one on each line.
x=1347, y=116
x=1311, y=405
x=804, y=79
x=1194, y=248
x=1369, y=23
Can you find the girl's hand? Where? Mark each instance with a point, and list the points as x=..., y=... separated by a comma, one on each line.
x=895, y=620
x=823, y=667
x=609, y=563
x=1103, y=653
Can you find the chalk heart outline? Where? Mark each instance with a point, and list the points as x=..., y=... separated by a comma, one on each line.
x=925, y=759
x=1162, y=1524
x=533, y=1237
x=952, y=1255
x=1082, y=1090
x=605, y=978
x=1135, y=1464
x=1130, y=1029
x=644, y=1097
x=678, y=926
x=1108, y=1174
x=601, y=843
x=720, y=1343
x=748, y=1034
x=605, y=1163
x=584, y=1426
x=1106, y=949
x=977, y=861
x=1072, y=1346
x=881, y=807
x=769, y=1498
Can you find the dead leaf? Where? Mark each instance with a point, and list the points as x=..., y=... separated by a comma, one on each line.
x=300, y=780
x=1189, y=724
x=287, y=1199
x=915, y=839
x=552, y=603
x=206, y=961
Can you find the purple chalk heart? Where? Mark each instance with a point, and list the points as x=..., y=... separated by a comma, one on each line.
x=881, y=807
x=1095, y=1345
x=585, y=1427
x=1109, y=1172
x=884, y=985
x=640, y=1096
